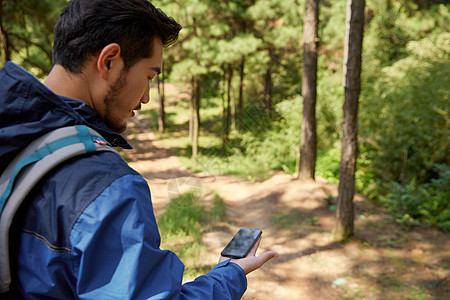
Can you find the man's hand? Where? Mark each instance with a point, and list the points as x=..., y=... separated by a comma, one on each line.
x=252, y=262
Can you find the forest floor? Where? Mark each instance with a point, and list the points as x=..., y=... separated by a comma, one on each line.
x=384, y=260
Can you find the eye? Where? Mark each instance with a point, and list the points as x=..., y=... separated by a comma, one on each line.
x=152, y=78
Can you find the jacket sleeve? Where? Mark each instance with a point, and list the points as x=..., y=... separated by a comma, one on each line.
x=229, y=279
x=116, y=254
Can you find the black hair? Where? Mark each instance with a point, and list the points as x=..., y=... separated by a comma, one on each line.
x=85, y=27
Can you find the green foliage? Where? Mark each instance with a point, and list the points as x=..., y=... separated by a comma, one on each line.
x=263, y=146
x=182, y=226
x=330, y=99
x=392, y=25
x=404, y=108
x=365, y=182
x=403, y=120
x=404, y=103
x=390, y=36
x=279, y=142
x=186, y=215
x=28, y=26
x=220, y=33
x=327, y=164
x=331, y=24
x=182, y=217
x=407, y=114
x=287, y=78
x=427, y=202
x=219, y=211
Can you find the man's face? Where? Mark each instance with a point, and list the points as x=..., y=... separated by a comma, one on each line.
x=127, y=93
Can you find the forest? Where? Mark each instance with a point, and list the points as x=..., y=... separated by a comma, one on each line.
x=239, y=64
x=236, y=98
x=246, y=59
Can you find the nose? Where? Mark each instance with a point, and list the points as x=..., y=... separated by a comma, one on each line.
x=146, y=97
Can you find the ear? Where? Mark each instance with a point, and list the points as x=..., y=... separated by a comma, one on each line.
x=109, y=61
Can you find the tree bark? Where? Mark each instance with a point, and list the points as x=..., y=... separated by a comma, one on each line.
x=344, y=224
x=191, y=110
x=224, y=112
x=241, y=90
x=193, y=106
x=163, y=95
x=268, y=85
x=162, y=115
x=233, y=110
x=309, y=91
x=195, y=115
x=229, y=104
x=226, y=104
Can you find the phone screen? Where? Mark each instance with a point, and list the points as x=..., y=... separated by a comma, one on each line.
x=241, y=244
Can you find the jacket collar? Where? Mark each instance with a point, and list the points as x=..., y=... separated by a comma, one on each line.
x=92, y=119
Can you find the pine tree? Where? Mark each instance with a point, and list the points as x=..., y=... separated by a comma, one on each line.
x=308, y=137
x=344, y=225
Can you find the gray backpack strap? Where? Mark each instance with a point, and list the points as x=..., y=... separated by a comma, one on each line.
x=27, y=169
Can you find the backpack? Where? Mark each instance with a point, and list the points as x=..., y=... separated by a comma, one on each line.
x=22, y=174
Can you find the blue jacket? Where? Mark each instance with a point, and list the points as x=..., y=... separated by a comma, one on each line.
x=89, y=230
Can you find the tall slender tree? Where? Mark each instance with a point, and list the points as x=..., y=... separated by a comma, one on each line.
x=195, y=102
x=161, y=98
x=241, y=93
x=309, y=90
x=228, y=116
x=268, y=81
x=344, y=224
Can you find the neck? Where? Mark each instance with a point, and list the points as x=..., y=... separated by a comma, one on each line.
x=62, y=82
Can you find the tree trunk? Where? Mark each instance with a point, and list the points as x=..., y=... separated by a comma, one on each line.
x=241, y=89
x=226, y=105
x=191, y=110
x=224, y=113
x=268, y=85
x=161, y=117
x=229, y=110
x=193, y=105
x=233, y=110
x=343, y=227
x=309, y=91
x=4, y=47
x=195, y=115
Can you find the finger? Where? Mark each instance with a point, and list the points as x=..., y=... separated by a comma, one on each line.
x=257, y=262
x=263, y=258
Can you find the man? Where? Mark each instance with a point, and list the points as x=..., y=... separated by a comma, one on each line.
x=89, y=231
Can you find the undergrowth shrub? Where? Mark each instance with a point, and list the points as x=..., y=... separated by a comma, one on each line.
x=404, y=124
x=182, y=226
x=427, y=202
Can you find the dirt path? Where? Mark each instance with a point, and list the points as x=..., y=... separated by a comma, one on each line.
x=382, y=261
